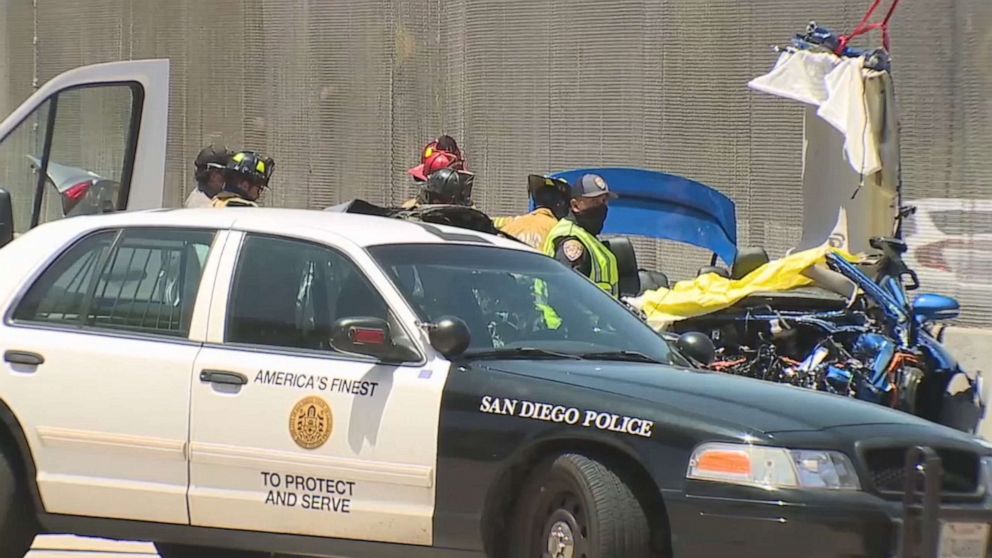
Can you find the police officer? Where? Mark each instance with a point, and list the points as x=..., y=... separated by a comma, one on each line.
x=551, y=201
x=573, y=241
x=247, y=174
x=209, y=175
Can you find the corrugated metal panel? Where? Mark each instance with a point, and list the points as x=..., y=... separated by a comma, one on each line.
x=351, y=57
x=508, y=95
x=944, y=53
x=16, y=72
x=16, y=52
x=344, y=94
x=421, y=108
x=152, y=32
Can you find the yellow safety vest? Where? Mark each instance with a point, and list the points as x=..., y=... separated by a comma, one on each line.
x=605, y=272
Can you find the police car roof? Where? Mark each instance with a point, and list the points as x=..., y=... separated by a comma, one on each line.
x=362, y=230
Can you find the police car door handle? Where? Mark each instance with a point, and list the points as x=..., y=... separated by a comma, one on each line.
x=23, y=357
x=223, y=377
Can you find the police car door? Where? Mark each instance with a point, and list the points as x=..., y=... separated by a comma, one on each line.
x=289, y=435
x=87, y=141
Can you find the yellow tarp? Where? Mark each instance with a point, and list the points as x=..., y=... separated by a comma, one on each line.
x=709, y=293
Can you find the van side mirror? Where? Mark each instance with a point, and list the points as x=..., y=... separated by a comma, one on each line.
x=6, y=218
x=369, y=336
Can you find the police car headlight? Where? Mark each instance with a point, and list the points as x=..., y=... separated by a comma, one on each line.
x=772, y=468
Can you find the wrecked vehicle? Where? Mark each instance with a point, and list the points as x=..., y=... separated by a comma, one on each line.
x=819, y=319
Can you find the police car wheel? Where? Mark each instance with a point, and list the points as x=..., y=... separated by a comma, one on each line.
x=17, y=529
x=169, y=550
x=575, y=507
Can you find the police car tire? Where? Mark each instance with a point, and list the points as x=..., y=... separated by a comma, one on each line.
x=17, y=529
x=169, y=550
x=593, y=504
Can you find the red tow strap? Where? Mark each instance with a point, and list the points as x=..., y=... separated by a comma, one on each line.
x=865, y=27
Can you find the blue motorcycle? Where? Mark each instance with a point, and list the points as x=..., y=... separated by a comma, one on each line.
x=911, y=369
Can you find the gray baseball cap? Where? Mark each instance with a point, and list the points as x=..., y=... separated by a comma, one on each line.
x=592, y=186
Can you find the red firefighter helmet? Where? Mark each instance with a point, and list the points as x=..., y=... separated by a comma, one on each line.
x=442, y=153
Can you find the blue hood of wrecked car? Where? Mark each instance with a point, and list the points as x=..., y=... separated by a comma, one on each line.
x=654, y=204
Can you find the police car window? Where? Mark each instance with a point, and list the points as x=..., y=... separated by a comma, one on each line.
x=145, y=282
x=514, y=299
x=150, y=282
x=288, y=293
x=59, y=295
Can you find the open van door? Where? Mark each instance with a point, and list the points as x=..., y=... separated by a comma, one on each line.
x=90, y=140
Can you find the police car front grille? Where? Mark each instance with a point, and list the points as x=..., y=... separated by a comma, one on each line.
x=961, y=479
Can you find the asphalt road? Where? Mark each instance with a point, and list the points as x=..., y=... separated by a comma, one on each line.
x=62, y=546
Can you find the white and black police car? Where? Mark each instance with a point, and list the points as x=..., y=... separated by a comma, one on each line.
x=231, y=382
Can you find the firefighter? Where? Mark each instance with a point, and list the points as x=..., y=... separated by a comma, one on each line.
x=446, y=186
x=209, y=175
x=247, y=175
x=551, y=202
x=442, y=153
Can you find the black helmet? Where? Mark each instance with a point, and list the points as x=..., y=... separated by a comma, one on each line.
x=252, y=166
x=448, y=186
x=697, y=347
x=552, y=193
x=210, y=158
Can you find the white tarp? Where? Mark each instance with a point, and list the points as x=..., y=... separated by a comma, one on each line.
x=850, y=157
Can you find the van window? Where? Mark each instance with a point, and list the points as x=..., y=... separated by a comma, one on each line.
x=89, y=133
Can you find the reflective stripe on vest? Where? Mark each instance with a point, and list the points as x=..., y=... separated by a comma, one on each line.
x=605, y=272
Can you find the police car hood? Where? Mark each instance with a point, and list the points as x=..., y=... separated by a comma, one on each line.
x=722, y=400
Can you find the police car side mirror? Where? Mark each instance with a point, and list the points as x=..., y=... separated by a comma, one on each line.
x=369, y=336
x=450, y=336
x=6, y=218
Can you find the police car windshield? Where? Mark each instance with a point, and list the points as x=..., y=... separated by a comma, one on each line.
x=512, y=299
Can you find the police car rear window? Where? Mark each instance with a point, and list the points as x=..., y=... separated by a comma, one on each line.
x=145, y=281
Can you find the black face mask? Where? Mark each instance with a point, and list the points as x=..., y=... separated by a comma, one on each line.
x=592, y=220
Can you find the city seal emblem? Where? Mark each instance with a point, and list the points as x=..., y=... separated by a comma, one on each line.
x=310, y=422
